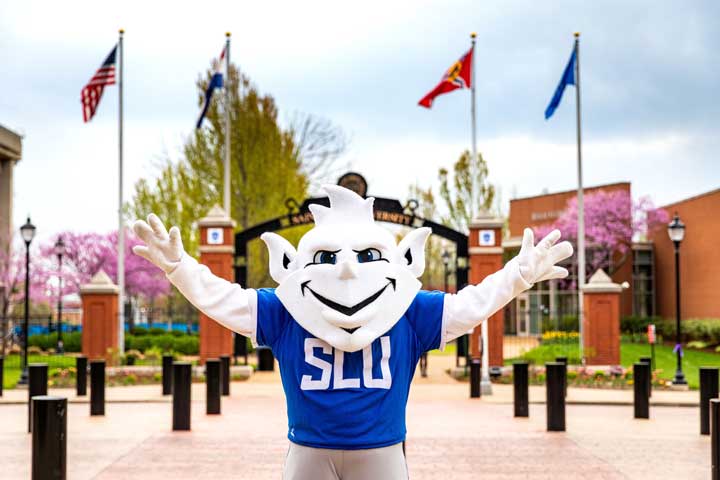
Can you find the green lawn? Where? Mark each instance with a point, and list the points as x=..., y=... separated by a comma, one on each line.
x=12, y=366
x=665, y=359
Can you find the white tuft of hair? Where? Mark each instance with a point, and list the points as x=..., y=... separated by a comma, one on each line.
x=346, y=206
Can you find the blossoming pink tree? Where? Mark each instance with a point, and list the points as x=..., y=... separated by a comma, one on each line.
x=612, y=223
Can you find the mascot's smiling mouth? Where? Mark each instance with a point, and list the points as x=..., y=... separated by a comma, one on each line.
x=349, y=311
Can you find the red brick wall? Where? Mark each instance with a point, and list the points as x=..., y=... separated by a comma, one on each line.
x=216, y=340
x=699, y=259
x=99, y=325
x=601, y=326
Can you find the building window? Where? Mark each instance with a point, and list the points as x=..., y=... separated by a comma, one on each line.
x=643, y=281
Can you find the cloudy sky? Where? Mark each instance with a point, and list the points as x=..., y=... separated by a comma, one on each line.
x=650, y=75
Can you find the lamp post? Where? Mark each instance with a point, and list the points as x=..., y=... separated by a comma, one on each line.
x=676, y=231
x=60, y=251
x=446, y=263
x=28, y=233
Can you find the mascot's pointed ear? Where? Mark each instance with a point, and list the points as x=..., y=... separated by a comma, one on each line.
x=411, y=250
x=282, y=256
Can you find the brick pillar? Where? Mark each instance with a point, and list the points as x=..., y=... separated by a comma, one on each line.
x=99, y=317
x=486, y=258
x=217, y=246
x=601, y=322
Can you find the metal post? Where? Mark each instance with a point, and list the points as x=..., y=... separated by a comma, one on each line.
x=167, y=371
x=212, y=386
x=225, y=375
x=26, y=328
x=228, y=131
x=81, y=376
x=60, y=345
x=555, y=397
x=580, y=201
x=641, y=388
x=708, y=391
x=2, y=374
x=49, y=438
x=715, y=438
x=679, y=376
x=182, y=379
x=521, y=389
x=649, y=361
x=37, y=386
x=121, y=220
x=475, y=390
x=97, y=387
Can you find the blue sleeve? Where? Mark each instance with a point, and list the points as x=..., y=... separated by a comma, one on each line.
x=425, y=316
x=272, y=318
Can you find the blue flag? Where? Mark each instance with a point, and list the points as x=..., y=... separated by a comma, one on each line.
x=216, y=81
x=568, y=78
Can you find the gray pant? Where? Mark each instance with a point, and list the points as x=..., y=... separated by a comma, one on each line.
x=307, y=463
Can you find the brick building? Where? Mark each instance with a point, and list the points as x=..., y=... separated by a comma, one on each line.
x=649, y=271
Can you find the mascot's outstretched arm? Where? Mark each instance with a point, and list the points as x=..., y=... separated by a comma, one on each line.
x=475, y=303
x=225, y=302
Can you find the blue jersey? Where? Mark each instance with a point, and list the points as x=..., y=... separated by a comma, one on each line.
x=342, y=400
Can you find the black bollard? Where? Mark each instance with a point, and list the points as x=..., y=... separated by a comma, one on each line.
x=715, y=438
x=266, y=361
x=182, y=380
x=2, y=374
x=521, y=389
x=37, y=385
x=97, y=387
x=555, y=397
x=225, y=375
x=167, y=369
x=475, y=378
x=648, y=360
x=641, y=383
x=212, y=386
x=708, y=391
x=49, y=438
x=81, y=376
x=564, y=361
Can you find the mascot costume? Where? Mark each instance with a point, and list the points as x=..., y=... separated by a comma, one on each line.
x=347, y=324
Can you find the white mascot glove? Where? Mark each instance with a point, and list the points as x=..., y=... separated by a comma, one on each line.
x=161, y=248
x=537, y=262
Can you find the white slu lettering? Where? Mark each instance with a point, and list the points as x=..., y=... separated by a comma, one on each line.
x=337, y=367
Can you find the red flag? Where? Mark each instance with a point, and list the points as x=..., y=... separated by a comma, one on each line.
x=92, y=92
x=457, y=76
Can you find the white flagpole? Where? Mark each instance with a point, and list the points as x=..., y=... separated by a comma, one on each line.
x=580, y=200
x=485, y=385
x=121, y=222
x=226, y=188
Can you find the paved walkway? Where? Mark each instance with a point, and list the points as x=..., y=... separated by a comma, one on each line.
x=449, y=436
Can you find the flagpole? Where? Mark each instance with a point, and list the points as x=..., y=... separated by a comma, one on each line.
x=121, y=222
x=226, y=188
x=580, y=200
x=485, y=385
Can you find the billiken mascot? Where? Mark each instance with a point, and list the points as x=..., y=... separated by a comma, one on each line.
x=347, y=323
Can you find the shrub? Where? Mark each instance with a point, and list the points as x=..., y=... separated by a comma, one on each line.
x=157, y=331
x=187, y=345
x=34, y=350
x=559, y=337
x=72, y=341
x=153, y=354
x=139, y=331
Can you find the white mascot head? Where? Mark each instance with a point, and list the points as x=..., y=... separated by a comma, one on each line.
x=348, y=282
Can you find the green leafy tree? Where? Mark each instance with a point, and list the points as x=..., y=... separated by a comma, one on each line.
x=269, y=164
x=457, y=193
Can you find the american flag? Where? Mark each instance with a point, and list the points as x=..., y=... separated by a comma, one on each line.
x=92, y=92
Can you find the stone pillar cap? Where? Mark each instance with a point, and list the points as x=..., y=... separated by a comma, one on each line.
x=600, y=282
x=100, y=283
x=485, y=219
x=216, y=217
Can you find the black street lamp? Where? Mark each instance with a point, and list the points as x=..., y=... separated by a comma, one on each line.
x=676, y=231
x=28, y=233
x=60, y=251
x=446, y=263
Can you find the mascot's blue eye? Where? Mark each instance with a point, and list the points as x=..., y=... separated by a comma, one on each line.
x=324, y=256
x=368, y=255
